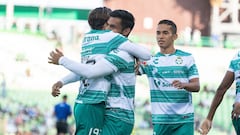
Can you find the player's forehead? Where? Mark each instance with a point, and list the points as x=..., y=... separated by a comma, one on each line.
x=164, y=27
x=114, y=21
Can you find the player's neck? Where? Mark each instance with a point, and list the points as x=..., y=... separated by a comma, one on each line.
x=168, y=50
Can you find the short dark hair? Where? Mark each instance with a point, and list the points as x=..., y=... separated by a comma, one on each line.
x=64, y=97
x=127, y=19
x=98, y=17
x=171, y=23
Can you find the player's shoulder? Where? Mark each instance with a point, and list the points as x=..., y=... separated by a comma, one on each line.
x=182, y=53
x=237, y=55
x=109, y=32
x=102, y=33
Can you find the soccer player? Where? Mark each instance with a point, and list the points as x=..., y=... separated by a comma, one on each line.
x=231, y=75
x=172, y=76
x=89, y=93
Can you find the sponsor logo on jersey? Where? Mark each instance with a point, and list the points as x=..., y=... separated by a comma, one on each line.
x=90, y=39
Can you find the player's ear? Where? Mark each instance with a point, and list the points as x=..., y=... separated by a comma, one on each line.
x=126, y=31
x=175, y=36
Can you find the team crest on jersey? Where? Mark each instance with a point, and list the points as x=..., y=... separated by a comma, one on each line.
x=179, y=60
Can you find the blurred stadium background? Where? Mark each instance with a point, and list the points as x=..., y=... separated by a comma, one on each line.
x=30, y=29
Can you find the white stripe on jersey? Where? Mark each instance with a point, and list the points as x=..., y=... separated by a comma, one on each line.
x=125, y=79
x=120, y=102
x=169, y=108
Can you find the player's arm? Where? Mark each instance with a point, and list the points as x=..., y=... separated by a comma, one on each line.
x=84, y=70
x=135, y=50
x=193, y=85
x=114, y=61
x=70, y=78
x=69, y=111
x=221, y=90
x=100, y=68
x=226, y=83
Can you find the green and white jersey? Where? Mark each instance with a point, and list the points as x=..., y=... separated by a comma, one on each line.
x=120, y=99
x=235, y=68
x=95, y=45
x=97, y=42
x=169, y=104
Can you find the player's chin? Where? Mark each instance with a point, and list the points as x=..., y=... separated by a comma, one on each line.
x=162, y=45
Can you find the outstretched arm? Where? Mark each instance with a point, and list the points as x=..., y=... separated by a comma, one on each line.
x=223, y=87
x=101, y=68
x=135, y=50
x=72, y=77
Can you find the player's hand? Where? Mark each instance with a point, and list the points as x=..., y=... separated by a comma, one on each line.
x=236, y=110
x=136, y=66
x=55, y=56
x=205, y=127
x=56, y=89
x=177, y=84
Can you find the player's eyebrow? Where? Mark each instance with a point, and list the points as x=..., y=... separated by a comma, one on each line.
x=112, y=25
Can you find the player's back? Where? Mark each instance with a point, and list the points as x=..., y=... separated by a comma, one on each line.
x=100, y=42
x=95, y=45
